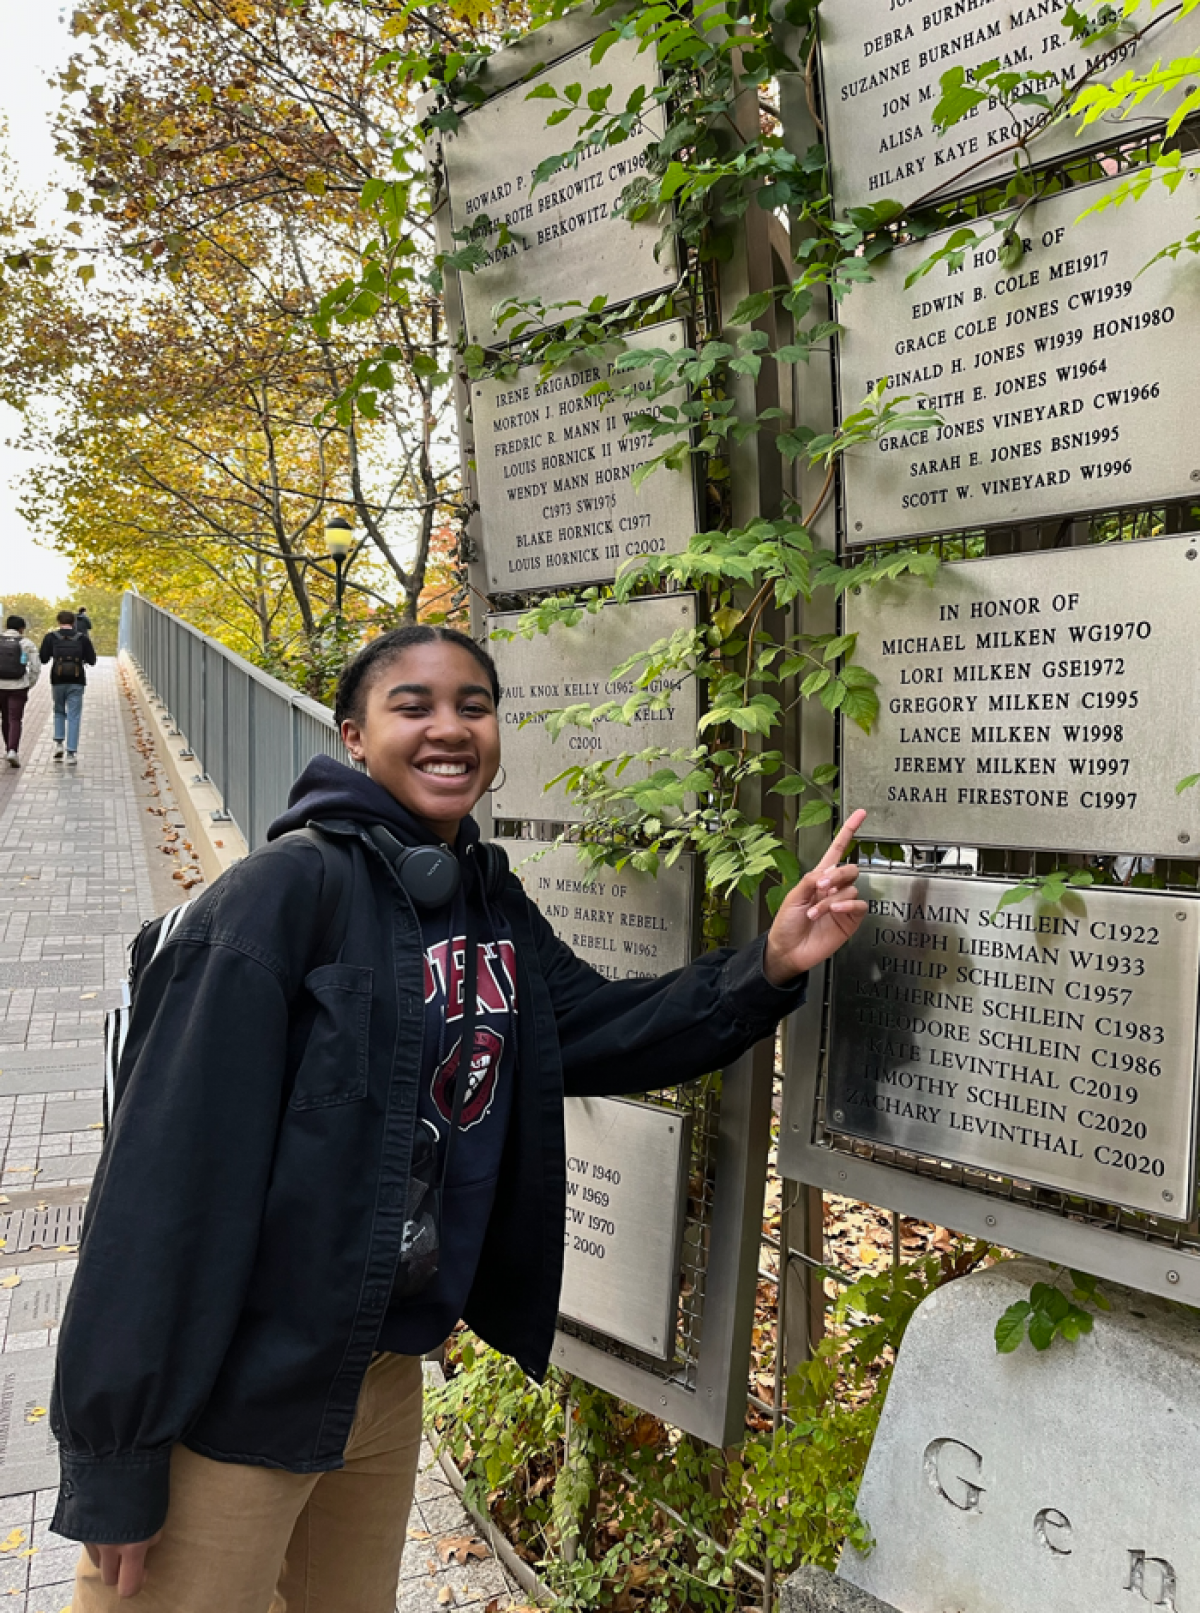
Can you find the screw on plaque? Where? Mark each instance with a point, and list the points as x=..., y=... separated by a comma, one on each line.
x=990, y=1219
x=1184, y=838
x=1181, y=917
x=1172, y=1276
x=839, y=1114
x=858, y=524
x=1168, y=1196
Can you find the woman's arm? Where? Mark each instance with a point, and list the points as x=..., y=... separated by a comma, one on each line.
x=620, y=1036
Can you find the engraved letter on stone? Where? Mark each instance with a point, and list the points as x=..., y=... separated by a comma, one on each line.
x=1154, y=1578
x=966, y=1494
x=1052, y=1529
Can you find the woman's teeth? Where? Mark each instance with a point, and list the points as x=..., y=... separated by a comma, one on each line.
x=445, y=769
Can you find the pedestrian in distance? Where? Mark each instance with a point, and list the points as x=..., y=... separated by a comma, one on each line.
x=341, y=1130
x=20, y=669
x=83, y=621
x=69, y=651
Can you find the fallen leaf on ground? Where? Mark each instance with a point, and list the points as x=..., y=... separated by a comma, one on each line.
x=36, y=1414
x=445, y=1596
x=67, y=1249
x=15, y=1538
x=419, y=1534
x=87, y=996
x=10, y=1282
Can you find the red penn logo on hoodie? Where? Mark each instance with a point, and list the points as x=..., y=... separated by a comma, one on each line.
x=481, y=1078
x=496, y=997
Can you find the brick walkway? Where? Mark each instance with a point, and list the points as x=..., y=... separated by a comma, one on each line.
x=75, y=886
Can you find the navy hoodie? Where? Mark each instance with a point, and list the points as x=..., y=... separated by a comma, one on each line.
x=329, y=791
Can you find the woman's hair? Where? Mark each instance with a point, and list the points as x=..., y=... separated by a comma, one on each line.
x=358, y=674
x=17, y=623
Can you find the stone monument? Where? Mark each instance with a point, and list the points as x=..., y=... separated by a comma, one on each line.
x=1054, y=1482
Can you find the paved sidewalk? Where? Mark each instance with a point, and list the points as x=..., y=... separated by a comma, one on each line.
x=75, y=885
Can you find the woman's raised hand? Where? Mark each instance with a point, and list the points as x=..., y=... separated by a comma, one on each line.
x=818, y=914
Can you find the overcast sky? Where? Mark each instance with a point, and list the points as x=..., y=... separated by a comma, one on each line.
x=35, y=41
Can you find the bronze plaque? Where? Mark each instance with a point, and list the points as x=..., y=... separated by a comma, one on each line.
x=1034, y=700
x=555, y=466
x=626, y=1191
x=1061, y=384
x=882, y=65
x=1053, y=1046
x=574, y=666
x=626, y=924
x=562, y=242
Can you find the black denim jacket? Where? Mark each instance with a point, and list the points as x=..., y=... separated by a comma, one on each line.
x=245, y=1221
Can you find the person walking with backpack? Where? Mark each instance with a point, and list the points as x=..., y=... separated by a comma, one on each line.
x=337, y=1128
x=69, y=651
x=20, y=669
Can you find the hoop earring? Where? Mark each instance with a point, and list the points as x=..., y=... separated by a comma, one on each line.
x=493, y=787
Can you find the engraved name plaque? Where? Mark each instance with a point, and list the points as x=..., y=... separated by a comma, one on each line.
x=1039, y=700
x=554, y=466
x=626, y=924
x=574, y=665
x=882, y=66
x=1056, y=1047
x=564, y=242
x=626, y=1190
x=1060, y=384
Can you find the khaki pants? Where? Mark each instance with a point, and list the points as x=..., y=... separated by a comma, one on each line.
x=257, y=1540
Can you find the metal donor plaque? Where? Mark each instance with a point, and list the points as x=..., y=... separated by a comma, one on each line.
x=627, y=925
x=564, y=242
x=1036, y=700
x=1061, y=385
x=882, y=67
x=626, y=1193
x=572, y=665
x=1055, y=1047
x=555, y=469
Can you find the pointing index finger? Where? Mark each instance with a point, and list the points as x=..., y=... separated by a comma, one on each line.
x=841, y=840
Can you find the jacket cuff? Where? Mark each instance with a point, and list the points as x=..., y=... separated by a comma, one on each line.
x=751, y=996
x=112, y=1500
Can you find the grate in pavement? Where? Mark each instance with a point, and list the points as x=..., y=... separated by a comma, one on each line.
x=48, y=1228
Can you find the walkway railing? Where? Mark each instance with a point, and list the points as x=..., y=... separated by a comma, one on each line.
x=250, y=733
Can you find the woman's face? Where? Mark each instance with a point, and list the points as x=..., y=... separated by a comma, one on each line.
x=428, y=733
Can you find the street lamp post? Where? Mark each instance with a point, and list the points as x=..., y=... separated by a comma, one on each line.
x=339, y=536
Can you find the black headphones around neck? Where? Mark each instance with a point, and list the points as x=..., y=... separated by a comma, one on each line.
x=431, y=876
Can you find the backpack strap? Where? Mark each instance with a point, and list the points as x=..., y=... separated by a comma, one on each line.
x=495, y=868
x=337, y=887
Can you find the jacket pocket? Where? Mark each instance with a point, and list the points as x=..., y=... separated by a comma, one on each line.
x=333, y=1068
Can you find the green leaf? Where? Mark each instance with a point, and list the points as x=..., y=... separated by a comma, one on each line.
x=752, y=307
x=793, y=784
x=1010, y=1329
x=1041, y=1331
x=1188, y=783
x=812, y=813
x=673, y=181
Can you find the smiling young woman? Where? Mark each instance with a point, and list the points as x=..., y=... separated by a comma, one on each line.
x=339, y=1136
